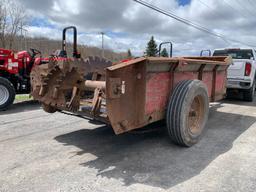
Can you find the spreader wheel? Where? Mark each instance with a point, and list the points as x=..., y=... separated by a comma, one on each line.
x=48, y=108
x=187, y=112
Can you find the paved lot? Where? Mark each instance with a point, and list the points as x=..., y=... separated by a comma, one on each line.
x=55, y=152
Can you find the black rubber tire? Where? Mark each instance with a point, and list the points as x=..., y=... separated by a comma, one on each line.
x=8, y=85
x=178, y=111
x=48, y=108
x=229, y=94
x=249, y=94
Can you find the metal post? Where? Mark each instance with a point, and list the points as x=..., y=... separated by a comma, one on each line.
x=21, y=37
x=102, y=44
x=24, y=38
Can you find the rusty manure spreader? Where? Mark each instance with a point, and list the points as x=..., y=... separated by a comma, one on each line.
x=135, y=93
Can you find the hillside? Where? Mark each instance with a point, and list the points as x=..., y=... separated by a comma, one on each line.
x=48, y=46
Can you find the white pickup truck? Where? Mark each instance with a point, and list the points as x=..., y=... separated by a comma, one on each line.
x=241, y=73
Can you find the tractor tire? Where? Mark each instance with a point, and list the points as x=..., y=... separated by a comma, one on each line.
x=187, y=112
x=249, y=94
x=48, y=108
x=7, y=93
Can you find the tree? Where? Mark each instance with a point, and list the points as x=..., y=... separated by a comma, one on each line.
x=12, y=19
x=129, y=54
x=164, y=53
x=3, y=22
x=151, y=50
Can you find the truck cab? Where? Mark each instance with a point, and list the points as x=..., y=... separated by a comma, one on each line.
x=241, y=73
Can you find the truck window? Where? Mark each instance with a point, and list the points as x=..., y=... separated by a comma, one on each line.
x=235, y=53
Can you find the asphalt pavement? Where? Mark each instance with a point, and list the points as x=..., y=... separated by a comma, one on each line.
x=57, y=152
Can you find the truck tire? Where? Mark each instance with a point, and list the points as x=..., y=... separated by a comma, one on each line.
x=229, y=94
x=249, y=94
x=48, y=108
x=187, y=112
x=7, y=93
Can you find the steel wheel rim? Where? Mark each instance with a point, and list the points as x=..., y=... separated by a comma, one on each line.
x=196, y=115
x=4, y=95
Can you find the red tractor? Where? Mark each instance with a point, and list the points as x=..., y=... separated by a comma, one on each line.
x=15, y=68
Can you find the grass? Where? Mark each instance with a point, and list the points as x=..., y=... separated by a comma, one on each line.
x=23, y=97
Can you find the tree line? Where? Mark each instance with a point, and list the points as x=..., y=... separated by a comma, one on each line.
x=151, y=50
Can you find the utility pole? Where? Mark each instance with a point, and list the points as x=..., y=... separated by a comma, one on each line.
x=102, y=44
x=24, y=37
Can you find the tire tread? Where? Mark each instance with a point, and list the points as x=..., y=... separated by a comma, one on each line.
x=175, y=104
x=10, y=87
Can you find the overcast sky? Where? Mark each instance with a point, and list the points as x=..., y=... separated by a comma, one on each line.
x=130, y=25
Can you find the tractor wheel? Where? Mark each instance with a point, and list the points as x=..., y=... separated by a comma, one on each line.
x=48, y=108
x=249, y=94
x=187, y=112
x=7, y=93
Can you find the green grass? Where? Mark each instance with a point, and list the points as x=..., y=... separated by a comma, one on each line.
x=23, y=97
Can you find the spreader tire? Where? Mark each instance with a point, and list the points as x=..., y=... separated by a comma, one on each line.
x=7, y=93
x=187, y=112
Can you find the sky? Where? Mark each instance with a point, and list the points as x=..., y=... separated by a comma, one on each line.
x=129, y=25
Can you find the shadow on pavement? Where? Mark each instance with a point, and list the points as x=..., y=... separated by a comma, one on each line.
x=238, y=100
x=21, y=107
x=150, y=158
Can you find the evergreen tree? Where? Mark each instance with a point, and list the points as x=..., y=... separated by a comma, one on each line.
x=164, y=53
x=129, y=54
x=151, y=50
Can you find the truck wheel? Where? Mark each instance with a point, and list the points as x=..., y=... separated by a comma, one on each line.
x=187, y=112
x=229, y=94
x=249, y=94
x=7, y=93
x=48, y=108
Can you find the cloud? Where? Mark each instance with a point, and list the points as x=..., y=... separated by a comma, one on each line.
x=38, y=31
x=130, y=25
